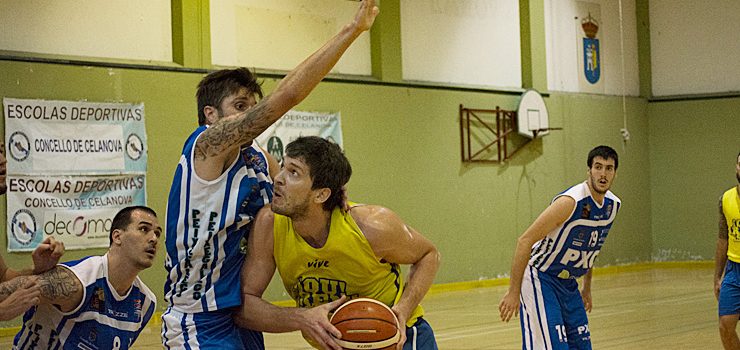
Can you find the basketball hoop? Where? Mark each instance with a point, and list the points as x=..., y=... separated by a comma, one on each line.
x=532, y=116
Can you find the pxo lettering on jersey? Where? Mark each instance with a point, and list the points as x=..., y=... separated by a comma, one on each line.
x=582, y=259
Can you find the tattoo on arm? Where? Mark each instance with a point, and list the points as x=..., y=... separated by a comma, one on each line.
x=236, y=131
x=59, y=283
x=56, y=284
x=7, y=288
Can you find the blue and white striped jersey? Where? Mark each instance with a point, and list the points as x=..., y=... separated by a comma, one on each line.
x=206, y=221
x=571, y=248
x=103, y=319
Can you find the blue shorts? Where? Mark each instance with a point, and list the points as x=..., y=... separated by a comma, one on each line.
x=729, y=291
x=207, y=330
x=552, y=315
x=420, y=336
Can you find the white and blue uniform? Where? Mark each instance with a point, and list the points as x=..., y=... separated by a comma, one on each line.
x=206, y=221
x=103, y=319
x=552, y=311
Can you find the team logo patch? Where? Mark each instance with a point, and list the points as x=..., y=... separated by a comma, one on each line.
x=97, y=301
x=23, y=227
x=18, y=146
x=586, y=211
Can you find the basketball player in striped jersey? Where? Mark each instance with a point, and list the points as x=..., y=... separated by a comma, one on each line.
x=324, y=253
x=97, y=302
x=727, y=260
x=221, y=182
x=558, y=247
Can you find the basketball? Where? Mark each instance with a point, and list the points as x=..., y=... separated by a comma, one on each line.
x=366, y=324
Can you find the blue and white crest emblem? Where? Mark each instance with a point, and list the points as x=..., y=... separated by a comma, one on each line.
x=591, y=52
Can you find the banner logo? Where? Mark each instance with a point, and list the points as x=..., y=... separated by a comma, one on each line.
x=18, y=146
x=23, y=226
x=275, y=147
x=134, y=147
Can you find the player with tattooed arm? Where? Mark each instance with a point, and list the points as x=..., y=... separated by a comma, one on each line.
x=97, y=302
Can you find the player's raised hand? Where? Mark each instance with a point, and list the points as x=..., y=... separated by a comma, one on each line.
x=509, y=306
x=317, y=327
x=365, y=15
x=21, y=300
x=47, y=255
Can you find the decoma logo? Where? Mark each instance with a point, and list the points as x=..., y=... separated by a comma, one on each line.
x=78, y=225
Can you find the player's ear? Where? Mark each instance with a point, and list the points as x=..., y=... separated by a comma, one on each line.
x=211, y=114
x=116, y=236
x=322, y=195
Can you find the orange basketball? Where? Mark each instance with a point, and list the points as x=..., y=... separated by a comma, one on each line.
x=366, y=324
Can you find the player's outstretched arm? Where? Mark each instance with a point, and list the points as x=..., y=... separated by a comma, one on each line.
x=59, y=287
x=260, y=315
x=45, y=257
x=17, y=302
x=549, y=219
x=395, y=242
x=240, y=129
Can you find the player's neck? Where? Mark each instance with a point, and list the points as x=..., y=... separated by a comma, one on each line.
x=314, y=227
x=121, y=274
x=597, y=197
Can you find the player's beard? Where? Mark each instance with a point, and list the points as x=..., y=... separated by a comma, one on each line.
x=594, y=183
x=737, y=175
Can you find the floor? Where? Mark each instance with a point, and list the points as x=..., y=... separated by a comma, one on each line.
x=660, y=308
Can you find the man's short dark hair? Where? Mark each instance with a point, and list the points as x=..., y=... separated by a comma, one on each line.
x=605, y=152
x=123, y=219
x=216, y=86
x=328, y=167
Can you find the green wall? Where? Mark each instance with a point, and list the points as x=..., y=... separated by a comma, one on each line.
x=404, y=144
x=693, y=152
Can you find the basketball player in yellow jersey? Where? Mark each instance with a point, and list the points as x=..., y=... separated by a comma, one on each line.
x=325, y=255
x=727, y=259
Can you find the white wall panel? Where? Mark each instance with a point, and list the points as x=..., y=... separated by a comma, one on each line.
x=122, y=29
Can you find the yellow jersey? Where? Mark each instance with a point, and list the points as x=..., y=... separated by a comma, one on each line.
x=731, y=209
x=345, y=265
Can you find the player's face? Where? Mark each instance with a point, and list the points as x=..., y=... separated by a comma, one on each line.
x=293, y=192
x=601, y=174
x=140, y=238
x=737, y=169
x=3, y=169
x=236, y=103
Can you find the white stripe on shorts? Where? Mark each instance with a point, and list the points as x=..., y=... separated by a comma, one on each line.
x=536, y=326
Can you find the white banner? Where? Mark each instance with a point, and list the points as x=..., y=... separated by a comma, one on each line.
x=77, y=210
x=295, y=124
x=65, y=137
x=71, y=167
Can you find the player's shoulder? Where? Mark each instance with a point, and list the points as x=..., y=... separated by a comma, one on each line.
x=375, y=219
x=612, y=196
x=369, y=212
x=145, y=290
x=265, y=218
